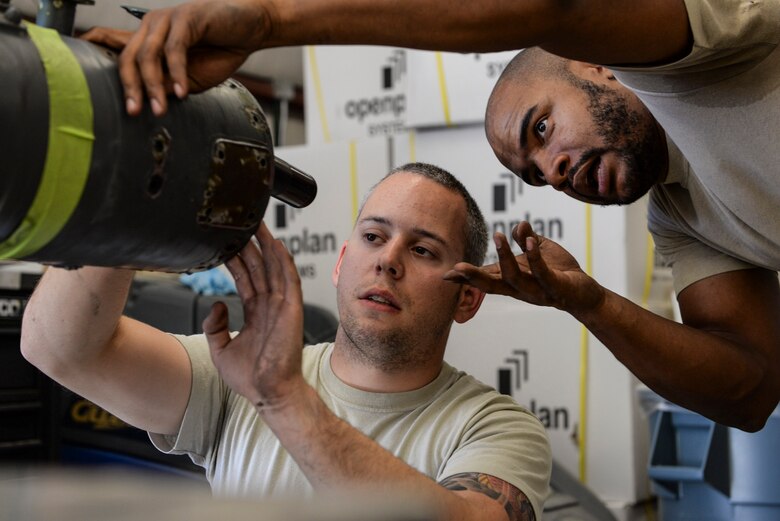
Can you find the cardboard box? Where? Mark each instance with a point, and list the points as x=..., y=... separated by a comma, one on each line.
x=353, y=92
x=450, y=89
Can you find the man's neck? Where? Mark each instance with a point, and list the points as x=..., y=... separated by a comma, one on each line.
x=358, y=372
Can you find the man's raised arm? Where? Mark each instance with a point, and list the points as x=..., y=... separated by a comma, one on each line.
x=722, y=362
x=73, y=330
x=204, y=41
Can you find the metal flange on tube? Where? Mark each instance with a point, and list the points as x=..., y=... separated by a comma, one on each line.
x=84, y=184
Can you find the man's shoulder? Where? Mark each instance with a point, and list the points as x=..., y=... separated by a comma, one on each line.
x=479, y=396
x=728, y=39
x=313, y=357
x=316, y=350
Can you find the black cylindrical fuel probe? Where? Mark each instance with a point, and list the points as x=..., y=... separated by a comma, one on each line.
x=82, y=183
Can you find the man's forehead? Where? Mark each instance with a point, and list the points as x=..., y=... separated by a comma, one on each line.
x=409, y=186
x=417, y=203
x=400, y=182
x=505, y=111
x=513, y=91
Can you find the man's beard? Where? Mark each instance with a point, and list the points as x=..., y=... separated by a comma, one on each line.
x=395, y=349
x=629, y=134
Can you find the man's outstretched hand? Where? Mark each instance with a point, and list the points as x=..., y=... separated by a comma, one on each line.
x=186, y=48
x=263, y=362
x=544, y=275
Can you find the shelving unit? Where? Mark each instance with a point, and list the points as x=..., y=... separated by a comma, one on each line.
x=28, y=428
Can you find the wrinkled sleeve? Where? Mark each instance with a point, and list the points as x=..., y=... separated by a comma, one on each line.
x=691, y=260
x=201, y=425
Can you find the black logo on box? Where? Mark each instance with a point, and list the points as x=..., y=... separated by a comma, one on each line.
x=510, y=382
x=394, y=69
x=511, y=378
x=284, y=215
x=505, y=193
x=506, y=197
x=384, y=105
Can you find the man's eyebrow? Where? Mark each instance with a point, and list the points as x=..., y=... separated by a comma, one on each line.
x=374, y=219
x=525, y=172
x=524, y=126
x=416, y=230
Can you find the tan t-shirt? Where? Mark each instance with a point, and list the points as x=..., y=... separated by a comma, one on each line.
x=718, y=210
x=454, y=424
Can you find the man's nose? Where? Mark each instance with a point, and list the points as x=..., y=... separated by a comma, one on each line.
x=391, y=260
x=556, y=174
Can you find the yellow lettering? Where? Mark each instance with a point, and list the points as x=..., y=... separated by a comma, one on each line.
x=84, y=411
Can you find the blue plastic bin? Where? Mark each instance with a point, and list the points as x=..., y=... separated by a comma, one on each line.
x=701, y=470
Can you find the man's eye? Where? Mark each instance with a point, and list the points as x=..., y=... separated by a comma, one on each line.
x=419, y=250
x=541, y=127
x=370, y=237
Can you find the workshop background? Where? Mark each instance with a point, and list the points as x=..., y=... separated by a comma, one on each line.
x=347, y=115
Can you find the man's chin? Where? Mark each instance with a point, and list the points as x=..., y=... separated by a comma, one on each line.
x=601, y=201
x=634, y=193
x=632, y=187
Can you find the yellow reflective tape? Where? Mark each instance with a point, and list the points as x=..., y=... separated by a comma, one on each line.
x=445, y=100
x=353, y=179
x=582, y=430
x=315, y=75
x=584, y=356
x=589, y=239
x=648, y=284
x=649, y=266
x=412, y=147
x=69, y=151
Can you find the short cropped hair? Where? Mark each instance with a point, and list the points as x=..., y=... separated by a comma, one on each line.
x=535, y=62
x=476, y=227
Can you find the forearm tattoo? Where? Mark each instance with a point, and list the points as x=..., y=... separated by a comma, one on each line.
x=516, y=504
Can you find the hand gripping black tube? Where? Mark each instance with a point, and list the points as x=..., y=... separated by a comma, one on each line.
x=183, y=192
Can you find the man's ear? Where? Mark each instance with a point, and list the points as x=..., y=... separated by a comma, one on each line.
x=468, y=304
x=603, y=71
x=591, y=70
x=336, y=269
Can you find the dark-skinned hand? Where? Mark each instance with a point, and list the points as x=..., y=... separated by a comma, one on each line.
x=186, y=48
x=544, y=275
